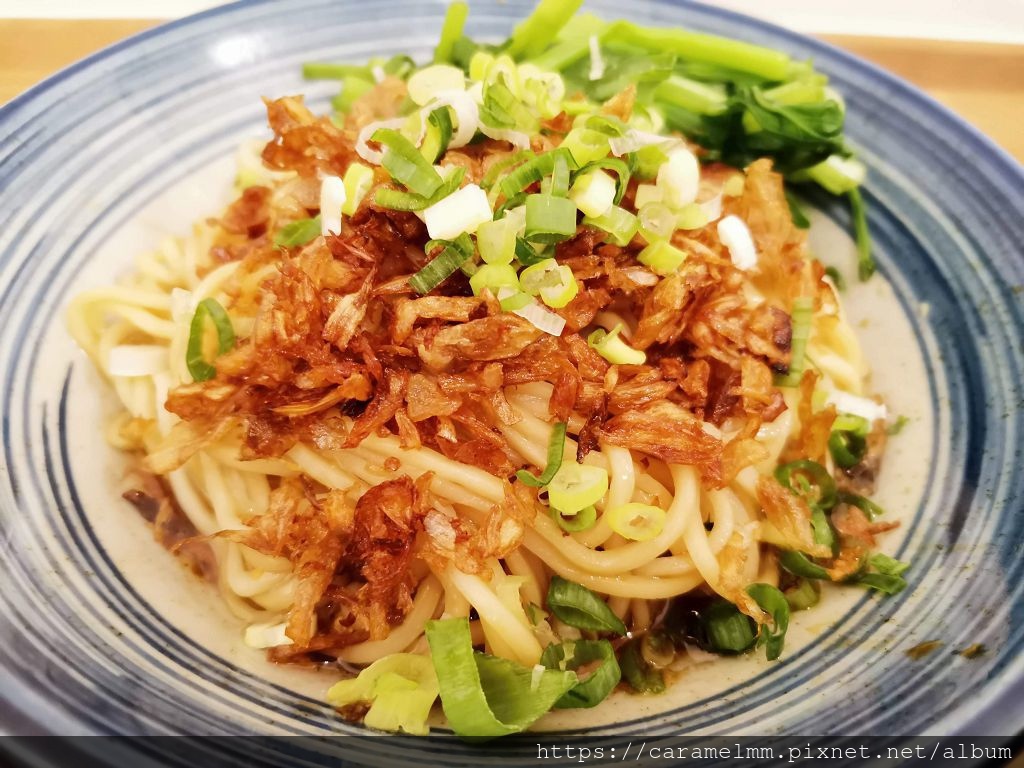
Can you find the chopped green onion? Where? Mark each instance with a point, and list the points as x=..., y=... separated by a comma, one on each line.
x=397, y=200
x=648, y=160
x=532, y=35
x=578, y=607
x=805, y=594
x=595, y=687
x=836, y=277
x=729, y=631
x=560, y=176
x=577, y=486
x=636, y=522
x=298, y=232
x=425, y=84
x=513, y=301
x=810, y=480
x=500, y=166
x=556, y=447
x=451, y=31
x=358, y=179
x=580, y=521
x=662, y=257
x=621, y=170
x=401, y=689
x=657, y=221
x=441, y=267
x=593, y=193
x=800, y=565
x=640, y=674
x=496, y=240
x=847, y=448
x=197, y=365
x=405, y=163
x=484, y=696
x=679, y=178
x=318, y=70
x=553, y=282
x=693, y=95
x=618, y=223
x=549, y=219
x=802, y=319
x=438, y=134
x=493, y=277
x=865, y=505
x=527, y=255
x=352, y=87
x=692, y=217
x=885, y=575
x=532, y=171
x=645, y=195
x=459, y=213
x=501, y=109
x=865, y=262
x=612, y=348
x=897, y=426
x=585, y=145
x=800, y=220
x=774, y=603
x=822, y=528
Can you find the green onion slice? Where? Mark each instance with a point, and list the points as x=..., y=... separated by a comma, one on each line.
x=556, y=447
x=405, y=163
x=802, y=318
x=729, y=631
x=637, y=522
x=483, y=696
x=550, y=219
x=619, y=223
x=533, y=171
x=805, y=594
x=799, y=564
x=577, y=486
x=847, y=448
x=578, y=607
x=438, y=134
x=455, y=253
x=580, y=521
x=809, y=479
x=451, y=30
x=197, y=365
x=642, y=676
x=595, y=687
x=865, y=505
x=774, y=603
x=397, y=200
x=865, y=261
x=298, y=232
x=560, y=176
x=612, y=348
x=497, y=170
x=616, y=166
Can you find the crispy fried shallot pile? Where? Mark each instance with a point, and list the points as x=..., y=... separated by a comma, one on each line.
x=342, y=348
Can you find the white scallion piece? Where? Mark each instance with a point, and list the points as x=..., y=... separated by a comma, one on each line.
x=462, y=211
x=332, y=197
x=363, y=148
x=137, y=360
x=679, y=177
x=596, y=61
x=378, y=73
x=735, y=236
x=593, y=193
x=634, y=139
x=467, y=114
x=428, y=82
x=857, y=406
x=266, y=635
x=517, y=139
x=536, y=315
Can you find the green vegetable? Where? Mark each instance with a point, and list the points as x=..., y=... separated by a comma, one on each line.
x=619, y=223
x=401, y=689
x=397, y=200
x=577, y=486
x=728, y=630
x=595, y=687
x=612, y=348
x=773, y=602
x=438, y=134
x=868, y=507
x=865, y=262
x=619, y=167
x=483, y=696
x=533, y=171
x=810, y=480
x=847, y=448
x=451, y=31
x=536, y=31
x=662, y=257
x=556, y=447
x=799, y=564
x=197, y=365
x=800, y=220
x=579, y=521
x=642, y=676
x=836, y=277
x=298, y=232
x=549, y=219
x=405, y=163
x=317, y=70
x=454, y=254
x=578, y=607
x=805, y=594
x=499, y=168
x=802, y=319
x=352, y=87
x=897, y=426
x=882, y=573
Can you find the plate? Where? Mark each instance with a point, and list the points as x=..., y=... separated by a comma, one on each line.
x=102, y=633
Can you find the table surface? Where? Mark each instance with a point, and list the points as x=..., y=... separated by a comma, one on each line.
x=982, y=82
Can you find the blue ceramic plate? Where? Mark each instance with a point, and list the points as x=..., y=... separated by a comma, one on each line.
x=101, y=632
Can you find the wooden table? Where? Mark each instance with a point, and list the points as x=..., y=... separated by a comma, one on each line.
x=982, y=82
